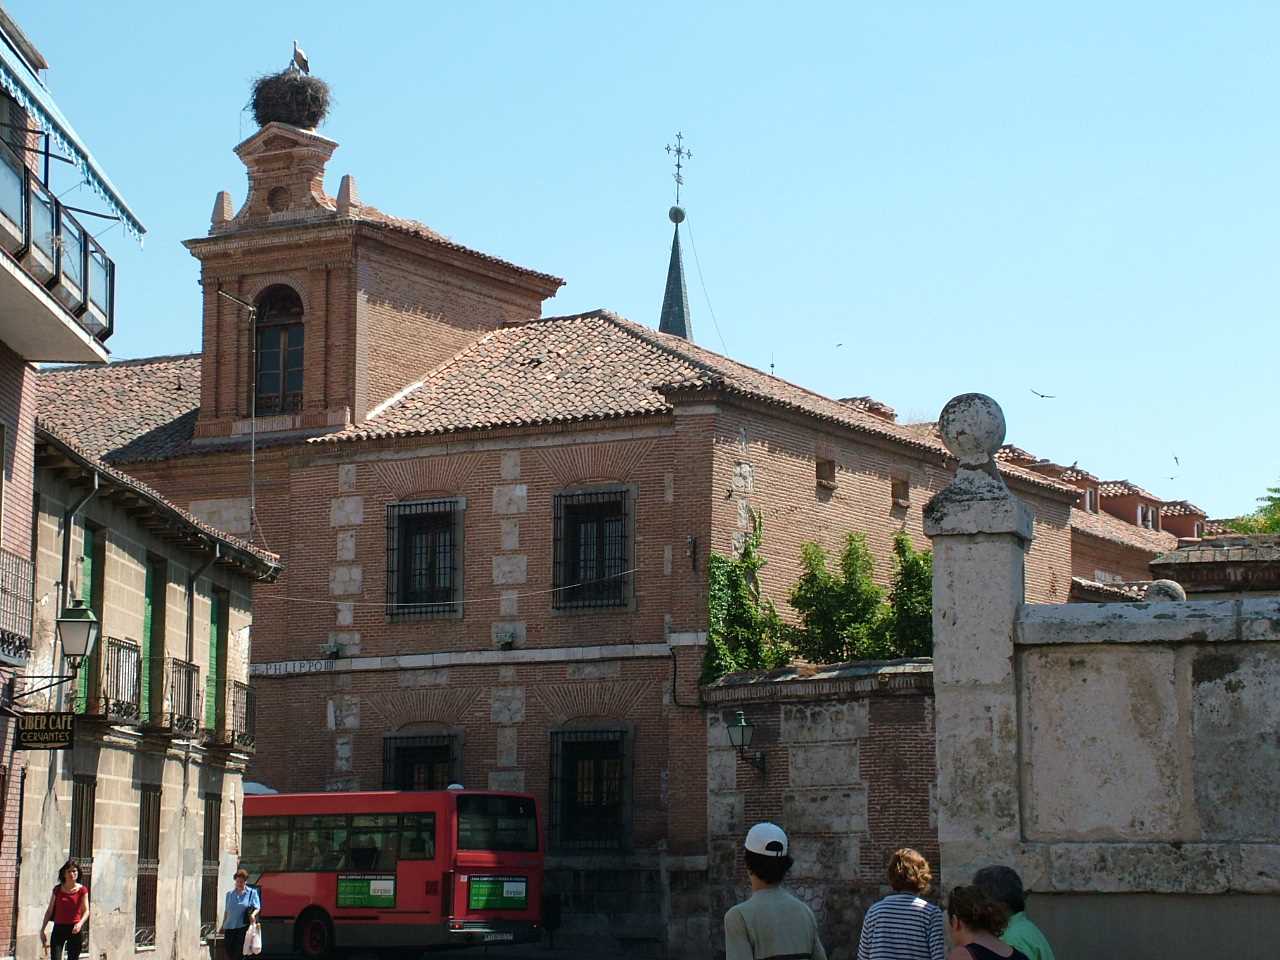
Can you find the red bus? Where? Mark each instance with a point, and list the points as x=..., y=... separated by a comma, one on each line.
x=393, y=870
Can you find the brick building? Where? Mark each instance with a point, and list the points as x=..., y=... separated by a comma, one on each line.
x=57, y=287
x=496, y=524
x=148, y=799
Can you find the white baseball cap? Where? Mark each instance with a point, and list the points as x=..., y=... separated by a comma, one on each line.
x=767, y=839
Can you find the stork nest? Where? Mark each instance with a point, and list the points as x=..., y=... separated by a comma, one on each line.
x=290, y=97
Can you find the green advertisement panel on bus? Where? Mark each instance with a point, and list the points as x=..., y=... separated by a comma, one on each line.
x=498, y=893
x=366, y=890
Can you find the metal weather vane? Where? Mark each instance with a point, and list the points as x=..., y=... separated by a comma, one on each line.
x=681, y=153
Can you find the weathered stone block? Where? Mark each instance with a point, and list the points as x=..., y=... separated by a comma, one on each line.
x=839, y=810
x=724, y=813
x=511, y=498
x=345, y=642
x=342, y=754
x=345, y=614
x=507, y=705
x=1102, y=757
x=820, y=765
x=510, y=533
x=508, y=603
x=510, y=780
x=346, y=580
x=722, y=770
x=510, y=465
x=823, y=722
x=666, y=560
x=510, y=569
x=438, y=677
x=507, y=674
x=346, y=511
x=507, y=746
x=346, y=548
x=824, y=858
x=744, y=478
x=346, y=477
x=344, y=712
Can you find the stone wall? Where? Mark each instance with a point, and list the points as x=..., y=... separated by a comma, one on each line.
x=1103, y=750
x=848, y=773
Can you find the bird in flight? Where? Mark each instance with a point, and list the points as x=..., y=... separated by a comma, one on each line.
x=1176, y=460
x=1045, y=396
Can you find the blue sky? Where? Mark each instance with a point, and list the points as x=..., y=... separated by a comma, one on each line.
x=906, y=200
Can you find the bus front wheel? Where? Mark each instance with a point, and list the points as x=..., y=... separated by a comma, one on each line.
x=315, y=936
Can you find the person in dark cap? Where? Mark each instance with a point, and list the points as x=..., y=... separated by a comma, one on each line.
x=1003, y=885
x=771, y=923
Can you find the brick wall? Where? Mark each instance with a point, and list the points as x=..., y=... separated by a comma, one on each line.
x=1093, y=555
x=850, y=771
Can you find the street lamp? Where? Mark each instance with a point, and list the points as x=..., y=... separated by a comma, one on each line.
x=740, y=732
x=77, y=629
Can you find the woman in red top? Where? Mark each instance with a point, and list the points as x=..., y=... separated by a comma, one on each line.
x=69, y=911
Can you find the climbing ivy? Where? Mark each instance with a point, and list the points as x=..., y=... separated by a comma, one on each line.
x=744, y=631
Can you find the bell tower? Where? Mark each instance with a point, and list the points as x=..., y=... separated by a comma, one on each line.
x=333, y=306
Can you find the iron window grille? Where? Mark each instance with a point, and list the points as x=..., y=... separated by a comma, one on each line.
x=423, y=547
x=590, y=789
x=84, y=792
x=144, y=916
x=121, y=698
x=591, y=550
x=209, y=865
x=420, y=762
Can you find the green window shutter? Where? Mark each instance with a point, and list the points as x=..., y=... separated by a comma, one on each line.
x=216, y=614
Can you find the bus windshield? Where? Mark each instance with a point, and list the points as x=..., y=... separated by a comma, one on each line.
x=497, y=823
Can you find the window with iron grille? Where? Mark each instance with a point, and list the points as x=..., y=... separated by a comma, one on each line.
x=420, y=762
x=424, y=559
x=209, y=866
x=279, y=342
x=84, y=792
x=592, y=556
x=144, y=915
x=590, y=789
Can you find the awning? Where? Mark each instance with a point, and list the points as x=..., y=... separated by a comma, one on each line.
x=21, y=82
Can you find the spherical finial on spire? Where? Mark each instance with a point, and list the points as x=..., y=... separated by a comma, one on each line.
x=972, y=427
x=676, y=214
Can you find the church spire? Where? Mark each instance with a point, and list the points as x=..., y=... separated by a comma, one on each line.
x=674, y=318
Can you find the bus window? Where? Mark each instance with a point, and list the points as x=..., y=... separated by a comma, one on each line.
x=266, y=844
x=373, y=842
x=496, y=823
x=418, y=837
x=319, y=843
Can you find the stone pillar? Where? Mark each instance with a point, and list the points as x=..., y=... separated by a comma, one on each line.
x=980, y=534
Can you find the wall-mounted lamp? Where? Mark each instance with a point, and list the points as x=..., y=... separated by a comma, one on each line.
x=740, y=732
x=78, y=631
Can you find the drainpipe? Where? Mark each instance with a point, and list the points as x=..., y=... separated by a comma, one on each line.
x=64, y=588
x=191, y=600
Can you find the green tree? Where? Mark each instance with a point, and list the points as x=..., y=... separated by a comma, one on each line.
x=744, y=631
x=839, y=609
x=906, y=630
x=1266, y=519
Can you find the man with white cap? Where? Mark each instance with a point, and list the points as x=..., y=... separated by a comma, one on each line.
x=771, y=924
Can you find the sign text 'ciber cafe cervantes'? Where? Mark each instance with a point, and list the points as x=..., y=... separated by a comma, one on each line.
x=45, y=731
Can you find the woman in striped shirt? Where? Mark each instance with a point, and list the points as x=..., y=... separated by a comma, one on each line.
x=904, y=926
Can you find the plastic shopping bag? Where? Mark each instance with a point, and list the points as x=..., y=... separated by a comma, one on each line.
x=253, y=940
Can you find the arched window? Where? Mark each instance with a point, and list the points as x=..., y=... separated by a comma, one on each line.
x=278, y=388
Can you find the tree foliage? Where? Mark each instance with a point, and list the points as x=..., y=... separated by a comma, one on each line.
x=907, y=628
x=1266, y=519
x=839, y=609
x=744, y=631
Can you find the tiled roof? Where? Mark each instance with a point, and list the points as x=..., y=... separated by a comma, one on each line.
x=1086, y=590
x=1012, y=454
x=586, y=367
x=125, y=410
x=1180, y=508
x=1231, y=548
x=1222, y=525
x=1123, y=488
x=1106, y=527
x=264, y=564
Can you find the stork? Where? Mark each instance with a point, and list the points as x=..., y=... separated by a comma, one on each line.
x=300, y=61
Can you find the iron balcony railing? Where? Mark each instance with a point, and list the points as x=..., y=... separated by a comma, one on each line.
x=17, y=579
x=176, y=709
x=115, y=693
x=40, y=233
x=235, y=721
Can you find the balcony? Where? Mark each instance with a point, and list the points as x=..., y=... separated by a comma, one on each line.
x=17, y=578
x=115, y=691
x=57, y=284
x=235, y=723
x=176, y=704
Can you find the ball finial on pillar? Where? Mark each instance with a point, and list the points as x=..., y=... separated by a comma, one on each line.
x=972, y=427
